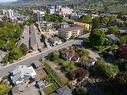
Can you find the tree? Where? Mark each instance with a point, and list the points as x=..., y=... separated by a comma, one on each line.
x=4, y=89
x=15, y=54
x=23, y=48
x=97, y=37
x=123, y=40
x=43, y=38
x=120, y=14
x=29, y=21
x=106, y=69
x=105, y=20
x=1, y=43
x=80, y=91
x=84, y=59
x=5, y=18
x=53, y=18
x=125, y=23
x=83, y=52
x=96, y=23
x=119, y=83
x=53, y=56
x=70, y=67
x=78, y=74
x=5, y=59
x=122, y=52
x=113, y=30
x=86, y=19
x=10, y=45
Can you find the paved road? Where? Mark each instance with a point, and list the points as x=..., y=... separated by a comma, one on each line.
x=5, y=70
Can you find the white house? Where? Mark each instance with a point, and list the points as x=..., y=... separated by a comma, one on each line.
x=22, y=74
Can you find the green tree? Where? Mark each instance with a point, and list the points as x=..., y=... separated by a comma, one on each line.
x=97, y=37
x=23, y=48
x=123, y=40
x=80, y=91
x=125, y=23
x=43, y=38
x=5, y=59
x=106, y=69
x=113, y=30
x=4, y=89
x=29, y=21
x=119, y=84
x=105, y=20
x=86, y=19
x=70, y=67
x=15, y=54
x=83, y=52
x=10, y=45
x=5, y=18
x=96, y=23
x=53, y=56
x=1, y=43
x=120, y=14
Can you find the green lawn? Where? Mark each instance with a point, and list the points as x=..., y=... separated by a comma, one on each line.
x=50, y=89
x=55, y=76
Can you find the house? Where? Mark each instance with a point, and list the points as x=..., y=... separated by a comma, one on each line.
x=36, y=64
x=112, y=38
x=64, y=25
x=54, y=41
x=67, y=33
x=87, y=27
x=90, y=63
x=76, y=58
x=70, y=55
x=22, y=74
x=41, y=84
x=67, y=55
x=63, y=91
x=65, y=11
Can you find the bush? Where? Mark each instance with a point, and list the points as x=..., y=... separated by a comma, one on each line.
x=106, y=69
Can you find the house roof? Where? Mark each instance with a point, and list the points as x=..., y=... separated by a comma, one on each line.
x=64, y=91
x=73, y=28
x=22, y=71
x=68, y=53
x=41, y=83
x=54, y=39
x=113, y=37
x=36, y=64
x=75, y=58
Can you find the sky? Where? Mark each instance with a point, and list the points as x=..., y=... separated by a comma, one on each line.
x=3, y=1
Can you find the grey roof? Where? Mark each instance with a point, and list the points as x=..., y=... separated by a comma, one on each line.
x=54, y=39
x=113, y=37
x=36, y=63
x=64, y=91
x=41, y=83
x=71, y=28
x=54, y=93
x=22, y=72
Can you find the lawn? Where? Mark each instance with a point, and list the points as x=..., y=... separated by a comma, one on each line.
x=55, y=76
x=50, y=89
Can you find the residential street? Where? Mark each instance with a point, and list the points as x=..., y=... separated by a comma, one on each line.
x=4, y=71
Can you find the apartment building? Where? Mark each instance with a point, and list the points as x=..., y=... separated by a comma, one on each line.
x=70, y=32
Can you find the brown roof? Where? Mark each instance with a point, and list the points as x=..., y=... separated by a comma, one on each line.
x=71, y=28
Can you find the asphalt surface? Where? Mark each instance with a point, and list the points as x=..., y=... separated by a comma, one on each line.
x=7, y=69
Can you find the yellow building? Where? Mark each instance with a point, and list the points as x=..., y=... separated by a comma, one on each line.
x=86, y=26
x=70, y=32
